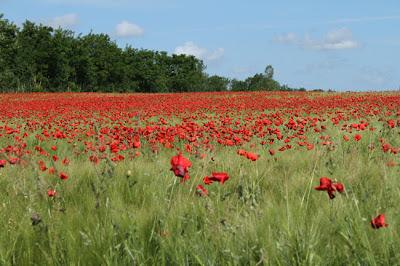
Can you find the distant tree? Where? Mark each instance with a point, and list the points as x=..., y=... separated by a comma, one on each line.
x=186, y=74
x=32, y=56
x=261, y=82
x=36, y=57
x=269, y=72
x=61, y=72
x=8, y=49
x=217, y=83
x=238, y=85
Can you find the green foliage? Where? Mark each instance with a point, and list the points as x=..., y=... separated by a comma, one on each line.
x=217, y=83
x=40, y=58
x=8, y=36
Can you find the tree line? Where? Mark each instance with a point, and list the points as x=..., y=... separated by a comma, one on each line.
x=40, y=58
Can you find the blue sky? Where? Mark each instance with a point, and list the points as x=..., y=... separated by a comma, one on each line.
x=343, y=45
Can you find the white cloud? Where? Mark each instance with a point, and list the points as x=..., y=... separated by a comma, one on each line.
x=127, y=29
x=215, y=55
x=338, y=39
x=190, y=48
x=65, y=21
x=289, y=37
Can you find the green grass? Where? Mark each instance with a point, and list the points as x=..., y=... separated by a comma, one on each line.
x=267, y=213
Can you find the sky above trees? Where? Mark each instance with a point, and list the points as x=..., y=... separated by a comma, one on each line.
x=343, y=45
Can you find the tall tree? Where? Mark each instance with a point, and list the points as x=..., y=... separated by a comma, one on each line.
x=8, y=36
x=269, y=72
x=61, y=71
x=33, y=46
x=36, y=57
x=217, y=83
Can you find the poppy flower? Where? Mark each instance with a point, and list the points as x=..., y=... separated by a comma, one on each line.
x=271, y=152
x=391, y=123
x=220, y=177
x=201, y=191
x=357, y=137
x=386, y=147
x=326, y=184
x=54, y=148
x=136, y=142
x=207, y=180
x=391, y=164
x=241, y=152
x=339, y=187
x=52, y=170
x=42, y=166
x=379, y=222
x=180, y=165
x=63, y=176
x=13, y=160
x=51, y=193
x=252, y=156
x=3, y=163
x=65, y=161
x=94, y=159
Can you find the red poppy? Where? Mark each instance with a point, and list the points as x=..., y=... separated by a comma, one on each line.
x=391, y=123
x=94, y=159
x=3, y=163
x=325, y=184
x=207, y=180
x=13, y=160
x=136, y=142
x=63, y=176
x=201, y=191
x=252, y=156
x=391, y=164
x=242, y=152
x=51, y=193
x=357, y=137
x=42, y=166
x=54, y=148
x=220, y=177
x=65, y=161
x=271, y=152
x=180, y=165
x=339, y=187
x=52, y=170
x=379, y=222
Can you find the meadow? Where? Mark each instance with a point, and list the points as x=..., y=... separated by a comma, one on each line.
x=229, y=178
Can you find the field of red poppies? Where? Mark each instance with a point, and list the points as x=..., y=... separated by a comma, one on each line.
x=253, y=178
